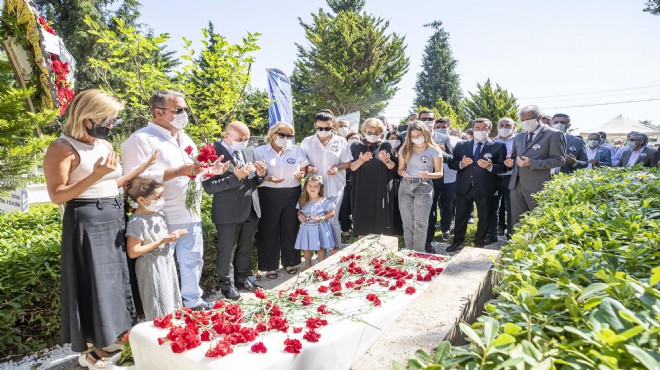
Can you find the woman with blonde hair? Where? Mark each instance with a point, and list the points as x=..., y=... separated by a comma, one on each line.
x=83, y=173
x=278, y=194
x=373, y=166
x=420, y=161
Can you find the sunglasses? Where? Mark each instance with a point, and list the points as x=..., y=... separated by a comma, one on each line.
x=284, y=136
x=107, y=122
x=426, y=119
x=323, y=128
x=175, y=110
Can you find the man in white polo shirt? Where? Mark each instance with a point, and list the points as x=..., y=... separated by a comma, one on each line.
x=173, y=167
x=329, y=156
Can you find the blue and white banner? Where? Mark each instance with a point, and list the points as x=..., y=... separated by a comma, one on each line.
x=279, y=92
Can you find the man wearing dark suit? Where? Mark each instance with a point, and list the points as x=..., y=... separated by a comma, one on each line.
x=536, y=150
x=640, y=153
x=478, y=162
x=576, y=151
x=440, y=135
x=235, y=211
x=597, y=153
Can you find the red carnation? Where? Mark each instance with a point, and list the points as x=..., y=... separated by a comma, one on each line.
x=323, y=289
x=188, y=150
x=221, y=349
x=410, y=290
x=207, y=154
x=323, y=309
x=312, y=336
x=297, y=330
x=259, y=293
x=307, y=300
x=163, y=322
x=259, y=348
x=371, y=297
x=292, y=346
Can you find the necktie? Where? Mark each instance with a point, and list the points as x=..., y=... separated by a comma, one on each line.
x=530, y=135
x=477, y=151
x=237, y=158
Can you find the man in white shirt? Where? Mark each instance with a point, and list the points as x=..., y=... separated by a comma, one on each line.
x=329, y=156
x=506, y=130
x=173, y=167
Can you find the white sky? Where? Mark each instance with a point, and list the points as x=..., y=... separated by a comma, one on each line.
x=533, y=49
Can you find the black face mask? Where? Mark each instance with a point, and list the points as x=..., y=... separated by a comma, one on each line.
x=98, y=132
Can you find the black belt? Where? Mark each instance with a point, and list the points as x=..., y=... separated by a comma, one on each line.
x=117, y=202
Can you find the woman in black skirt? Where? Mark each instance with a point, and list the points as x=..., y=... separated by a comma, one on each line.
x=83, y=173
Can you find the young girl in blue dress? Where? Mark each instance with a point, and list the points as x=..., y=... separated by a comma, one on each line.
x=314, y=212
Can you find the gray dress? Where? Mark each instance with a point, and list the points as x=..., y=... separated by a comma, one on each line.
x=156, y=271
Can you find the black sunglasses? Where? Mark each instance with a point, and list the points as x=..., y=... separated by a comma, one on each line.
x=175, y=110
x=107, y=122
x=323, y=128
x=284, y=136
x=426, y=119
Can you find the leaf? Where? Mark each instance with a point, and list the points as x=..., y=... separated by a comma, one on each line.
x=491, y=327
x=512, y=329
x=465, y=328
x=512, y=362
x=398, y=366
x=547, y=289
x=655, y=276
x=442, y=351
x=643, y=356
x=503, y=339
x=591, y=290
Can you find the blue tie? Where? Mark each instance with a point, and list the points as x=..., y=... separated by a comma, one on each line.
x=477, y=150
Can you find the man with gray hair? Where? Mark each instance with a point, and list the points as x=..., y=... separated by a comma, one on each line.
x=534, y=153
x=173, y=167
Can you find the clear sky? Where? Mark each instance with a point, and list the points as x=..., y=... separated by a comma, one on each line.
x=558, y=54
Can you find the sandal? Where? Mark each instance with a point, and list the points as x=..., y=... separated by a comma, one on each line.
x=291, y=270
x=114, y=347
x=99, y=363
x=272, y=275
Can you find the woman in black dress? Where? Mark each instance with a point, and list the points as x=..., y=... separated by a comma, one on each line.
x=374, y=166
x=345, y=209
x=397, y=225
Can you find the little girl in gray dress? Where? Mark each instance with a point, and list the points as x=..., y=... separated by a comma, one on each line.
x=149, y=241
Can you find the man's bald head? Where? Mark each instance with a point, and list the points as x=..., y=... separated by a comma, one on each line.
x=237, y=131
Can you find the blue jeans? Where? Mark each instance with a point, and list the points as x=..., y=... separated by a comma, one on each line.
x=415, y=204
x=189, y=254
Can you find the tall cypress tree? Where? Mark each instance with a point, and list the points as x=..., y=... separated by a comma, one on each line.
x=492, y=103
x=438, y=78
x=352, y=63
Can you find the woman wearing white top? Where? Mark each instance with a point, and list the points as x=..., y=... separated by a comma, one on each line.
x=329, y=156
x=278, y=194
x=420, y=161
x=82, y=171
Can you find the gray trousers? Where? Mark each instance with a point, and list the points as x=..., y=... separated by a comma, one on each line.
x=521, y=202
x=415, y=200
x=334, y=222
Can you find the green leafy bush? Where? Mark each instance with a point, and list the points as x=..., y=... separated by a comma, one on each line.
x=579, y=282
x=30, y=279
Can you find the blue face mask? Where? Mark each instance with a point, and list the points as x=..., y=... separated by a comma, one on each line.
x=592, y=143
x=441, y=131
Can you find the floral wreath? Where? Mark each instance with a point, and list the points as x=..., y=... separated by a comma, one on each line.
x=36, y=46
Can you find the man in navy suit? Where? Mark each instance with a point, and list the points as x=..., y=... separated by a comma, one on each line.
x=576, y=151
x=235, y=210
x=478, y=161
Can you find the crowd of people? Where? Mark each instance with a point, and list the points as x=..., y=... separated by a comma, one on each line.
x=380, y=179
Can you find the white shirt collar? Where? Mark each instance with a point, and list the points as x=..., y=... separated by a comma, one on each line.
x=160, y=129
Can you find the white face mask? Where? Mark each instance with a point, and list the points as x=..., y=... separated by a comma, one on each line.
x=155, y=205
x=282, y=142
x=561, y=127
x=238, y=146
x=180, y=121
x=372, y=138
x=480, y=135
x=504, y=132
x=324, y=133
x=417, y=140
x=441, y=131
x=529, y=125
x=395, y=143
x=343, y=131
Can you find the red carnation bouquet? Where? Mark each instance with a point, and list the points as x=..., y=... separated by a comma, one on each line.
x=206, y=157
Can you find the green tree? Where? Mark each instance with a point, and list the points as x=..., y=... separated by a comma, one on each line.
x=253, y=111
x=216, y=80
x=653, y=7
x=438, y=78
x=444, y=109
x=352, y=63
x=491, y=103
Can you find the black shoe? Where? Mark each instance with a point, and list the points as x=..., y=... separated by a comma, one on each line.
x=455, y=247
x=429, y=249
x=250, y=286
x=446, y=235
x=204, y=306
x=231, y=293
x=501, y=231
x=490, y=240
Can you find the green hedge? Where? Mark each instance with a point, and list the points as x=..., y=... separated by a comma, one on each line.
x=579, y=282
x=30, y=278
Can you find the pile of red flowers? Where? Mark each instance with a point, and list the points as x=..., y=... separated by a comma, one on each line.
x=65, y=93
x=232, y=324
x=44, y=24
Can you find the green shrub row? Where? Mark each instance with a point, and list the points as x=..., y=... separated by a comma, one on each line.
x=30, y=278
x=578, y=282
